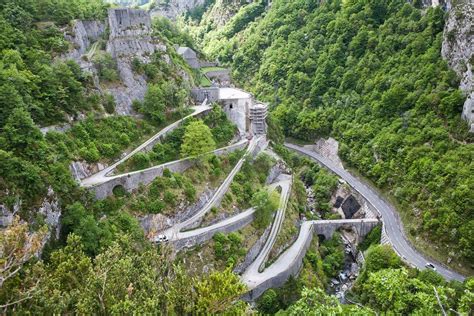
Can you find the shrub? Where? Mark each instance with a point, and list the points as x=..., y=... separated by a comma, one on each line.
x=107, y=67
x=268, y=303
x=265, y=205
x=140, y=161
x=137, y=65
x=124, y=139
x=372, y=238
x=90, y=153
x=190, y=192
x=167, y=173
x=170, y=198
x=156, y=207
x=108, y=103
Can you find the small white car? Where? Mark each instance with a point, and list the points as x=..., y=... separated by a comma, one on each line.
x=161, y=238
x=431, y=266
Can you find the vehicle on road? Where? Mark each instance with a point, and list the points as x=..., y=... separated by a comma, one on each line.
x=161, y=239
x=431, y=266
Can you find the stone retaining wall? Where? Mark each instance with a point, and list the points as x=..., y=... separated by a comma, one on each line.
x=208, y=234
x=278, y=280
x=321, y=227
x=132, y=180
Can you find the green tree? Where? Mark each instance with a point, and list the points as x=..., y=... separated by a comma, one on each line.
x=381, y=257
x=154, y=105
x=317, y=302
x=265, y=205
x=197, y=140
x=22, y=136
x=218, y=292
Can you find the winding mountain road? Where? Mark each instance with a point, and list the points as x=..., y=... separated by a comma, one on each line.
x=392, y=223
x=103, y=175
x=252, y=275
x=173, y=233
x=215, y=227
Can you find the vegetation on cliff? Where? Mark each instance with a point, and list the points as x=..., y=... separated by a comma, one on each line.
x=369, y=73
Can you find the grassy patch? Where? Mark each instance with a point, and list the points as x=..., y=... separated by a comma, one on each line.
x=249, y=180
x=204, y=81
x=166, y=193
x=205, y=70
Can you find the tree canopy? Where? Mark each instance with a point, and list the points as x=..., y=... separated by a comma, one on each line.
x=197, y=140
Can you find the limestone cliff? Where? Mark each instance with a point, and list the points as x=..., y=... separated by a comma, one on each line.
x=81, y=36
x=173, y=8
x=130, y=37
x=170, y=9
x=458, y=50
x=49, y=213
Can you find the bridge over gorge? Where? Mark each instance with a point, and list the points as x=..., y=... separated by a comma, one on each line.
x=258, y=279
x=393, y=227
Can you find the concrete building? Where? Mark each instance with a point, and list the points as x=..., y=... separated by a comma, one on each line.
x=240, y=107
x=236, y=104
x=189, y=56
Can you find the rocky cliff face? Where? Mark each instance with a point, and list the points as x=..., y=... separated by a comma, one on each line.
x=458, y=50
x=82, y=169
x=50, y=211
x=82, y=35
x=173, y=8
x=130, y=37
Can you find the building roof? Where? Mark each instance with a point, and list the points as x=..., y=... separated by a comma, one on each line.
x=186, y=52
x=233, y=93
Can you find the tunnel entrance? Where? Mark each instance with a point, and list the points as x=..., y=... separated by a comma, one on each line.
x=119, y=190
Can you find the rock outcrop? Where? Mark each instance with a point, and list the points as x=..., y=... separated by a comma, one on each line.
x=173, y=8
x=130, y=37
x=458, y=50
x=50, y=211
x=82, y=35
x=82, y=169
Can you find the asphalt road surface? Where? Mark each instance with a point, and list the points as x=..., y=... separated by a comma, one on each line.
x=102, y=176
x=252, y=275
x=392, y=223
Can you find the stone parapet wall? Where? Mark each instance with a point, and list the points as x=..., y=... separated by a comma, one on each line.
x=130, y=181
x=209, y=232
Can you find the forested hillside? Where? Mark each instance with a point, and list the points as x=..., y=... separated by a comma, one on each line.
x=369, y=73
x=58, y=244
x=366, y=72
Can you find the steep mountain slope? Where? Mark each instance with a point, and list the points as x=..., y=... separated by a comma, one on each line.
x=371, y=74
x=458, y=50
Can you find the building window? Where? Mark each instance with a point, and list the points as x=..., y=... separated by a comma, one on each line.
x=231, y=106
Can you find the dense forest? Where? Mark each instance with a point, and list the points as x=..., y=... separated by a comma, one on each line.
x=367, y=72
x=97, y=239
x=370, y=74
